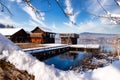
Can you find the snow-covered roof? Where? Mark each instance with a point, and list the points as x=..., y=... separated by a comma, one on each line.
x=9, y=31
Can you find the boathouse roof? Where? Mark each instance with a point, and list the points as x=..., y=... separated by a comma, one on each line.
x=44, y=29
x=9, y=31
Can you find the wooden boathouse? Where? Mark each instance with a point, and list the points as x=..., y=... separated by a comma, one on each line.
x=69, y=38
x=39, y=35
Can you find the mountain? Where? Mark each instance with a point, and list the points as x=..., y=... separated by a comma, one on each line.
x=97, y=35
x=97, y=38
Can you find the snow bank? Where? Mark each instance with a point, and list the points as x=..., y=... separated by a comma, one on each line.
x=24, y=61
x=111, y=72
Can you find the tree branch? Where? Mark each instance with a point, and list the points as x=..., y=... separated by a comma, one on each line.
x=4, y=6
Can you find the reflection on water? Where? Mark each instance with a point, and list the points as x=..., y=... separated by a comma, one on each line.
x=66, y=60
x=71, y=60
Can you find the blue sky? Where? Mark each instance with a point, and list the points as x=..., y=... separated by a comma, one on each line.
x=53, y=17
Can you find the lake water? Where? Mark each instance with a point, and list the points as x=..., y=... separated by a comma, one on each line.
x=66, y=60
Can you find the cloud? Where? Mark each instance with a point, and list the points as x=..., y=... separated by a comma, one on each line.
x=7, y=20
x=33, y=16
x=88, y=26
x=70, y=13
x=4, y=19
x=11, y=0
x=69, y=9
x=73, y=19
x=33, y=23
x=18, y=1
x=54, y=26
x=97, y=27
x=93, y=6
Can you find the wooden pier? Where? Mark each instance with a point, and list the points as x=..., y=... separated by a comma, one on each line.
x=49, y=51
x=46, y=52
x=90, y=48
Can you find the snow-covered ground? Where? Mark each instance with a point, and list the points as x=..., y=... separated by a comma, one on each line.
x=23, y=61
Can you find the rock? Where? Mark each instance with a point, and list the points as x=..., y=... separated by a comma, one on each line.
x=9, y=72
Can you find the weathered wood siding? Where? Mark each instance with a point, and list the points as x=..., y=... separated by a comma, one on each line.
x=20, y=37
x=69, y=38
x=45, y=37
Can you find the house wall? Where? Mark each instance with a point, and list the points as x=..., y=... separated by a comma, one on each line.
x=37, y=40
x=46, y=37
x=49, y=40
x=20, y=37
x=65, y=40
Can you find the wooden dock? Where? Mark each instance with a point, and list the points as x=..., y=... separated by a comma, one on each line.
x=90, y=48
x=45, y=52
x=52, y=50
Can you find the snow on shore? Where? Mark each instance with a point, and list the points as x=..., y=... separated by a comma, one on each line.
x=23, y=61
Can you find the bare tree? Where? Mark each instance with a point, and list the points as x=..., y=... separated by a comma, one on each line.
x=117, y=2
x=114, y=18
x=4, y=7
x=39, y=12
